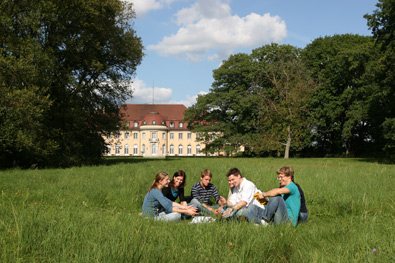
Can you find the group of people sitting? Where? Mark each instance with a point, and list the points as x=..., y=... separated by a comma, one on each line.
x=286, y=203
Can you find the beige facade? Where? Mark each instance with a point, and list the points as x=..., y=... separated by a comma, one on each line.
x=154, y=131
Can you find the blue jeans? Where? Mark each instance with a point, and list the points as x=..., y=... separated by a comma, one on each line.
x=203, y=210
x=244, y=211
x=276, y=212
x=174, y=216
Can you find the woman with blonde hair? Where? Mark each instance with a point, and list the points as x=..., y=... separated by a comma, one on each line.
x=154, y=200
x=284, y=204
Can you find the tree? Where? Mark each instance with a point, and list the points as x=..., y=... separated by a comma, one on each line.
x=227, y=109
x=283, y=86
x=73, y=59
x=345, y=65
x=382, y=24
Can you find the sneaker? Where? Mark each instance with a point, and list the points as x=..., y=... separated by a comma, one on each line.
x=264, y=223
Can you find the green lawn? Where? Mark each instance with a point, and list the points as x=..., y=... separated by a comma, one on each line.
x=90, y=214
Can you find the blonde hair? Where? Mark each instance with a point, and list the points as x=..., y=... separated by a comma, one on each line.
x=288, y=172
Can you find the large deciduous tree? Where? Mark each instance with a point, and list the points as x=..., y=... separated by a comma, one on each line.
x=345, y=65
x=284, y=87
x=226, y=110
x=382, y=24
x=64, y=72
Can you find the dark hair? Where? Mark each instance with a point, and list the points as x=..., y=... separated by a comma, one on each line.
x=159, y=176
x=177, y=174
x=205, y=173
x=233, y=171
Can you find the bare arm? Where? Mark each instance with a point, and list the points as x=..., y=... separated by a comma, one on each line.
x=235, y=207
x=274, y=192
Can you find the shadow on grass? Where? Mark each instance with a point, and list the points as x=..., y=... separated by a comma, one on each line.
x=378, y=160
x=124, y=160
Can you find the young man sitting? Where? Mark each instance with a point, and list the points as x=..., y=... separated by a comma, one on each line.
x=202, y=191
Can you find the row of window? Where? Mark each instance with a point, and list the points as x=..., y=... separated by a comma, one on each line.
x=153, y=136
x=153, y=149
x=136, y=124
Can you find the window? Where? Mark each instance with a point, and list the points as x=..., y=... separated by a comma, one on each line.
x=135, y=135
x=197, y=135
x=153, y=122
x=164, y=149
x=145, y=122
x=189, y=150
x=135, y=150
x=163, y=122
x=108, y=135
x=143, y=149
x=171, y=136
x=172, y=149
x=117, y=149
x=171, y=124
x=117, y=136
x=154, y=148
x=153, y=136
x=180, y=125
x=213, y=137
x=189, y=136
x=197, y=149
x=126, y=135
x=180, y=149
x=108, y=150
x=143, y=135
x=127, y=124
x=126, y=149
x=135, y=124
x=163, y=136
x=180, y=136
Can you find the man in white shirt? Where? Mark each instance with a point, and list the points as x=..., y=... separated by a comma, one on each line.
x=241, y=195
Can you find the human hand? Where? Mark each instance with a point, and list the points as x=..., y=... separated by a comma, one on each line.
x=191, y=210
x=222, y=200
x=227, y=212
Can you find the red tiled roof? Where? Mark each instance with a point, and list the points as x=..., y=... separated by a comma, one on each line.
x=137, y=112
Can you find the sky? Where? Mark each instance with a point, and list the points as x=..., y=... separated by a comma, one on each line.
x=185, y=40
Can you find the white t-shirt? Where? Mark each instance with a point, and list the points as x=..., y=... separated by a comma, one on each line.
x=245, y=192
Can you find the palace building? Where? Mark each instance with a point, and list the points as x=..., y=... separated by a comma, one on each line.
x=153, y=130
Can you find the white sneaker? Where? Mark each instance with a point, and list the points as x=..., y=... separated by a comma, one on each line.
x=264, y=223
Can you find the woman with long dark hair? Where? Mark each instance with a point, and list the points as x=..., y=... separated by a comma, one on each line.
x=176, y=188
x=154, y=200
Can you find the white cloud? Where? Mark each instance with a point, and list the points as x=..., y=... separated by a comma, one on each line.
x=190, y=100
x=208, y=30
x=143, y=6
x=143, y=95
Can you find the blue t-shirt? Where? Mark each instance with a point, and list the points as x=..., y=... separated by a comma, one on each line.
x=153, y=200
x=292, y=200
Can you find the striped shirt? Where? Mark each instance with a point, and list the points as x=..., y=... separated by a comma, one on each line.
x=204, y=194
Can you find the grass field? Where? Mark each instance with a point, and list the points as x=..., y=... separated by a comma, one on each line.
x=90, y=214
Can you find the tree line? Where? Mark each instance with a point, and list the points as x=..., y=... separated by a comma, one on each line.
x=332, y=98
x=64, y=72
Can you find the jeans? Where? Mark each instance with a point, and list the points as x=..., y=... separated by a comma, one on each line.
x=276, y=211
x=203, y=210
x=174, y=216
x=242, y=212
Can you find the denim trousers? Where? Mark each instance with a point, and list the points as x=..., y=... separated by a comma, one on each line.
x=276, y=212
x=203, y=210
x=174, y=216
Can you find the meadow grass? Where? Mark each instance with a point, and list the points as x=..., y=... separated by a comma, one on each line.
x=90, y=214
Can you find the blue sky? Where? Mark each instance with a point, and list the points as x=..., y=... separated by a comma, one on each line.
x=185, y=40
